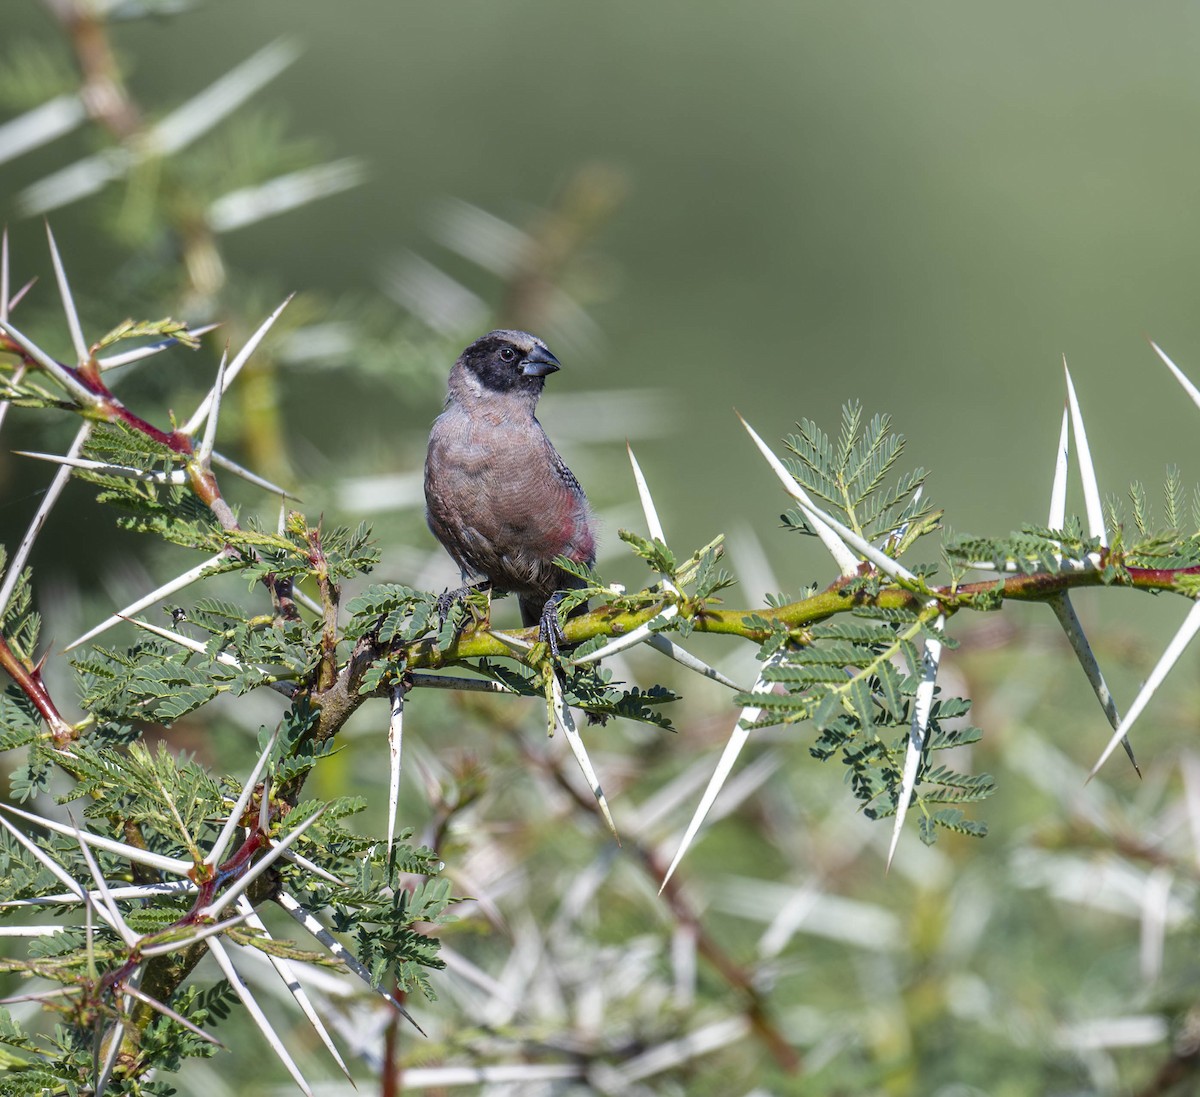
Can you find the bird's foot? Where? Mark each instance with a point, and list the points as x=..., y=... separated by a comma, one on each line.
x=550, y=632
x=448, y=599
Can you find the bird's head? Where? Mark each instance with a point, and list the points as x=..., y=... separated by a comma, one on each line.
x=502, y=362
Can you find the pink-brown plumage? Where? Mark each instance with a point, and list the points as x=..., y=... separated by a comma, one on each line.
x=498, y=496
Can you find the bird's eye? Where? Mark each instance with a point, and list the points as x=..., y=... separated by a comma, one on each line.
x=507, y=354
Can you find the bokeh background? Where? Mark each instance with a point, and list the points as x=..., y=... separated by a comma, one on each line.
x=778, y=207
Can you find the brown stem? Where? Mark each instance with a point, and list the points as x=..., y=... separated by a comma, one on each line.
x=1182, y=1064
x=328, y=670
x=108, y=101
x=29, y=681
x=103, y=90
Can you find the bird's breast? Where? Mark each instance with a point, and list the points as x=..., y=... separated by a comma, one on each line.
x=497, y=499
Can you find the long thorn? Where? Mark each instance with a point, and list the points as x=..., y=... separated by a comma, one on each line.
x=204, y=452
x=17, y=564
x=1065, y=612
x=725, y=764
x=217, y=853
x=1162, y=668
x=836, y=538
x=287, y=973
x=922, y=707
x=653, y=524
x=255, y=1010
x=1087, y=470
x=635, y=636
x=175, y=476
x=395, y=745
x=62, y=374
x=115, y=361
x=685, y=658
x=4, y=274
x=1180, y=376
x=338, y=950
x=250, y=477
x=178, y=583
x=174, y=865
x=68, y=302
x=1058, y=492
x=562, y=716
x=235, y=367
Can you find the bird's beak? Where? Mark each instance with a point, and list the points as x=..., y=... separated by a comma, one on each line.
x=539, y=362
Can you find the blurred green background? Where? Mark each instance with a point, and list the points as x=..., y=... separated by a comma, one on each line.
x=919, y=206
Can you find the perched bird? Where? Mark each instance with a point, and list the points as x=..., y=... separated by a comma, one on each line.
x=498, y=496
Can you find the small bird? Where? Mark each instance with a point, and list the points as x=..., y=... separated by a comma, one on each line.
x=498, y=496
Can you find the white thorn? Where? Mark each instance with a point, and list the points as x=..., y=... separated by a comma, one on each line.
x=113, y=361
x=834, y=536
x=248, y=205
x=922, y=707
x=55, y=869
x=176, y=476
x=1175, y=649
x=1065, y=612
x=174, y=865
x=235, y=367
x=204, y=452
x=264, y=807
x=1180, y=376
x=4, y=287
x=653, y=525
x=166, y=1011
x=514, y=642
x=310, y=866
x=251, y=477
x=84, y=395
x=1058, y=492
x=222, y=657
x=239, y=809
x=115, y=1035
x=17, y=564
x=562, y=716
x=725, y=764
x=1087, y=470
x=395, y=744
x=685, y=658
x=636, y=636
x=199, y=114
x=307, y=601
x=178, y=583
x=18, y=375
x=255, y=1010
x=127, y=935
x=339, y=951
x=898, y=534
x=68, y=302
x=290, y=980
x=132, y=891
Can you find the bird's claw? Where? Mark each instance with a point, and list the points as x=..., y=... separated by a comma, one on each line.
x=550, y=632
x=448, y=599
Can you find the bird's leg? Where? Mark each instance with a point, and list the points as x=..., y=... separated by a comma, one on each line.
x=449, y=598
x=549, y=630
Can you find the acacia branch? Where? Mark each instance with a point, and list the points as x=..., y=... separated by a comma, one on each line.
x=842, y=596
